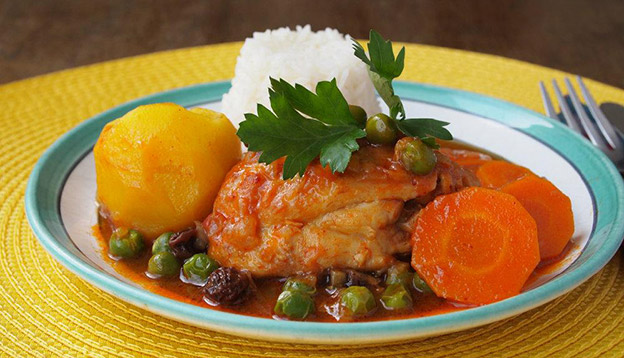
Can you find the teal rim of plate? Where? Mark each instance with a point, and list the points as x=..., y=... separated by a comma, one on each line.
x=604, y=181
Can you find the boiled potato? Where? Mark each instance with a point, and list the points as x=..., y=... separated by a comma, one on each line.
x=159, y=167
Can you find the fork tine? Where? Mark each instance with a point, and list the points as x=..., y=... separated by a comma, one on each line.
x=550, y=110
x=565, y=110
x=590, y=128
x=603, y=123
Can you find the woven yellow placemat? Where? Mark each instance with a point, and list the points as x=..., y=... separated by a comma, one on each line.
x=47, y=311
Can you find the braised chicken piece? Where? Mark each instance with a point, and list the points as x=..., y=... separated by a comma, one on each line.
x=356, y=220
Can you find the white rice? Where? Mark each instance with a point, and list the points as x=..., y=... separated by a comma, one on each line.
x=301, y=56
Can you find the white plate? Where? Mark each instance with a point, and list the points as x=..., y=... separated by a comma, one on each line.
x=61, y=209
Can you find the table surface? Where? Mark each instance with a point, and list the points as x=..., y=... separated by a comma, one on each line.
x=582, y=37
x=46, y=310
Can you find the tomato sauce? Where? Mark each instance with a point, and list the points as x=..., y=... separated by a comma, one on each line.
x=551, y=266
x=262, y=301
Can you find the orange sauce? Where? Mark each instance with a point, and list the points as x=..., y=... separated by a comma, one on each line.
x=262, y=301
x=552, y=265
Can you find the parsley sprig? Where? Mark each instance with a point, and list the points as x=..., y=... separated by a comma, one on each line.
x=383, y=67
x=303, y=125
x=330, y=133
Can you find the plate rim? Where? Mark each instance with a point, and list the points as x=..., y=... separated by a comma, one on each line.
x=319, y=332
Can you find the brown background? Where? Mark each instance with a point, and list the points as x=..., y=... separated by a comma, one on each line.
x=583, y=37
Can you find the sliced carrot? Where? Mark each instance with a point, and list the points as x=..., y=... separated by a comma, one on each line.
x=551, y=209
x=466, y=158
x=475, y=246
x=496, y=173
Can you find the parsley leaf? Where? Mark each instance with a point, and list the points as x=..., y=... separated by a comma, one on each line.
x=327, y=105
x=382, y=59
x=425, y=129
x=331, y=133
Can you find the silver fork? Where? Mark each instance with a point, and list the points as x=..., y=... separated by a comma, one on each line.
x=599, y=130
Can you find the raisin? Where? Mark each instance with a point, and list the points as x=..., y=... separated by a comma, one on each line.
x=185, y=244
x=228, y=286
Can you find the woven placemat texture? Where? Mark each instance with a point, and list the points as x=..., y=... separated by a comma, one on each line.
x=47, y=311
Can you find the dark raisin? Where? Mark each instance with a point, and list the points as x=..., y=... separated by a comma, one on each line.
x=185, y=244
x=228, y=286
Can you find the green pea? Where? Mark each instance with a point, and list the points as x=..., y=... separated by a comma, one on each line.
x=399, y=274
x=380, y=129
x=125, y=244
x=199, y=267
x=359, y=114
x=294, y=284
x=358, y=300
x=396, y=297
x=161, y=243
x=163, y=264
x=294, y=304
x=120, y=247
x=420, y=284
x=418, y=158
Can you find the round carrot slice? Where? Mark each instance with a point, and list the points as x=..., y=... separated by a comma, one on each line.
x=496, y=173
x=551, y=209
x=475, y=246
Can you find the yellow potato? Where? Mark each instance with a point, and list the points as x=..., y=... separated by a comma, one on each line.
x=159, y=167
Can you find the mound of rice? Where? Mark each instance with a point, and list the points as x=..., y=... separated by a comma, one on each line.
x=301, y=56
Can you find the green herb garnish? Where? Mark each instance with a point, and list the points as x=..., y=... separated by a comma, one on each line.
x=302, y=125
x=331, y=133
x=383, y=67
